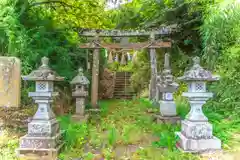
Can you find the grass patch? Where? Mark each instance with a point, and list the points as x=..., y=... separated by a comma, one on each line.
x=125, y=129
x=9, y=142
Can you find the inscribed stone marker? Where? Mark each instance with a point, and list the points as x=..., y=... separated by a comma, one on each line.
x=10, y=81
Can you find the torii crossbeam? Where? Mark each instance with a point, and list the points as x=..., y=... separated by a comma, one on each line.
x=124, y=33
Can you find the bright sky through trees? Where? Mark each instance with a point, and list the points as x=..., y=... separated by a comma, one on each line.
x=111, y=4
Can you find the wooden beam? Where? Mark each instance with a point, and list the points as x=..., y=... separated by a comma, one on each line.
x=125, y=33
x=127, y=46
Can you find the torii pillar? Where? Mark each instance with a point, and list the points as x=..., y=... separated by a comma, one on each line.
x=152, y=85
x=95, y=74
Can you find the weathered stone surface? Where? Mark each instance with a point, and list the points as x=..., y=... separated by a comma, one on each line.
x=43, y=73
x=168, y=108
x=43, y=128
x=166, y=83
x=153, y=80
x=123, y=33
x=10, y=81
x=80, y=93
x=40, y=142
x=44, y=111
x=152, y=89
x=39, y=154
x=80, y=106
x=197, y=130
x=198, y=145
x=166, y=87
x=168, y=119
x=44, y=135
x=197, y=73
x=106, y=88
x=80, y=78
x=196, y=133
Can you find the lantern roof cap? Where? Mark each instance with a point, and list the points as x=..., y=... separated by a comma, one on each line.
x=198, y=73
x=43, y=73
x=80, y=78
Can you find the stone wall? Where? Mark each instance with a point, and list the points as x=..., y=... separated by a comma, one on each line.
x=106, y=85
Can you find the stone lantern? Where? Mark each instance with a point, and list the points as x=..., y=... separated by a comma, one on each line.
x=196, y=132
x=44, y=135
x=166, y=87
x=80, y=93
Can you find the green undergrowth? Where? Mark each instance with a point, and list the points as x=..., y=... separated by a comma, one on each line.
x=117, y=67
x=126, y=129
x=129, y=124
x=9, y=142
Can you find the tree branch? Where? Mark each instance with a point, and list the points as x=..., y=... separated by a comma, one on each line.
x=50, y=2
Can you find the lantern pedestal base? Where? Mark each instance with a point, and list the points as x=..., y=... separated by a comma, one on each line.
x=80, y=118
x=155, y=103
x=168, y=120
x=40, y=146
x=168, y=108
x=40, y=153
x=198, y=145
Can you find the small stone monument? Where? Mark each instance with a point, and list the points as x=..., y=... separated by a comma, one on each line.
x=44, y=135
x=80, y=93
x=166, y=87
x=10, y=82
x=196, y=132
x=158, y=92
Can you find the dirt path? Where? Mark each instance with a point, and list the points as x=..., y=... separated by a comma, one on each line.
x=232, y=153
x=222, y=156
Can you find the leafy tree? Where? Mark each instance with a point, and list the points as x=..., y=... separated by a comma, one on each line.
x=31, y=29
x=152, y=14
x=220, y=34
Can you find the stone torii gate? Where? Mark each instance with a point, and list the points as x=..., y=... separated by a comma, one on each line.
x=96, y=45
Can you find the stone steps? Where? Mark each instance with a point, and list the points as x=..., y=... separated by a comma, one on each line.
x=122, y=86
x=123, y=96
x=121, y=92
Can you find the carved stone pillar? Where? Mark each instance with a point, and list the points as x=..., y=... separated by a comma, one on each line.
x=44, y=135
x=166, y=87
x=196, y=132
